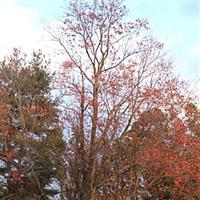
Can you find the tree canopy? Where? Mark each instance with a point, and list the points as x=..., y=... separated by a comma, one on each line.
x=124, y=127
x=124, y=111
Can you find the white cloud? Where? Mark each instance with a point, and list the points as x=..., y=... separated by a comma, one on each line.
x=19, y=27
x=195, y=51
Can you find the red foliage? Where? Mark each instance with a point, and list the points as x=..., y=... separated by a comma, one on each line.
x=68, y=64
x=15, y=175
x=9, y=155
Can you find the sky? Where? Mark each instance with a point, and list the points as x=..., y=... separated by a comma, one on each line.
x=175, y=22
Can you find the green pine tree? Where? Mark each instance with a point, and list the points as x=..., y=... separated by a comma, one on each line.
x=32, y=145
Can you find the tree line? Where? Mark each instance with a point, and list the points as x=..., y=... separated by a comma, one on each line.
x=121, y=126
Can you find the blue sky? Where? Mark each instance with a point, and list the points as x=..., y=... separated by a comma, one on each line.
x=175, y=22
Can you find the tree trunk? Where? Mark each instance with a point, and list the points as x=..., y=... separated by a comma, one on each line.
x=86, y=190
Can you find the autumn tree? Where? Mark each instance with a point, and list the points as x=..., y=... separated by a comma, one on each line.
x=166, y=157
x=108, y=64
x=31, y=138
x=115, y=77
x=158, y=157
